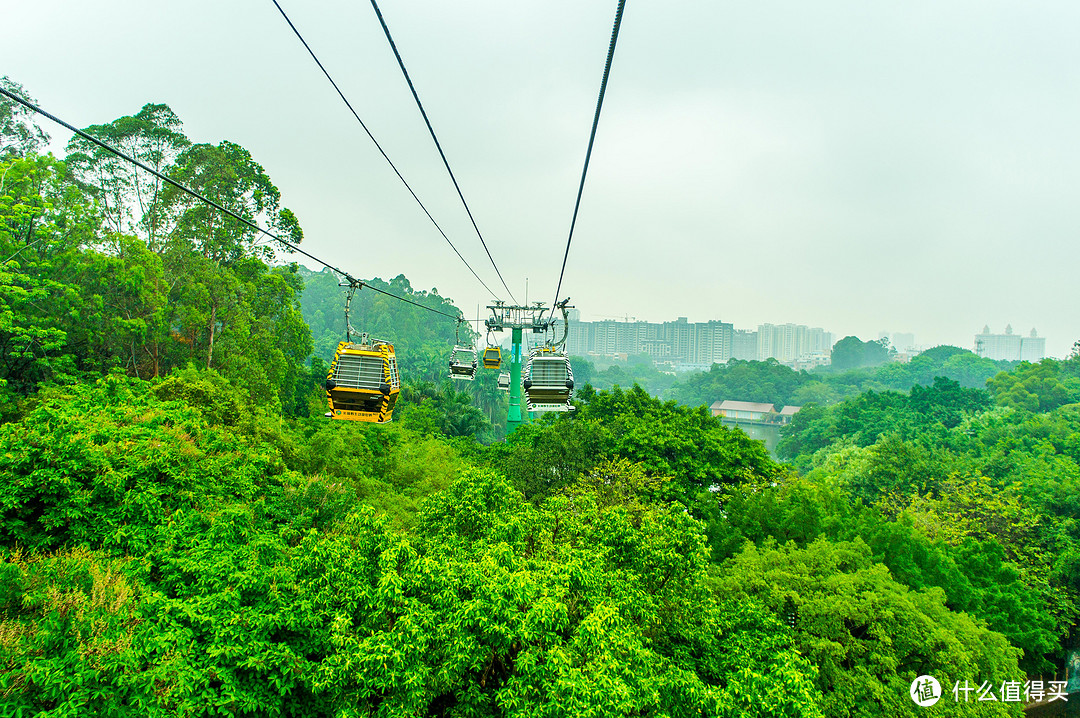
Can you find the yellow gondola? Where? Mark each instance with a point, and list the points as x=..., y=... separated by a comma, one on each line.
x=492, y=358
x=363, y=382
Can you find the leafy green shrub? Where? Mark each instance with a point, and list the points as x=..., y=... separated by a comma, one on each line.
x=869, y=636
x=99, y=465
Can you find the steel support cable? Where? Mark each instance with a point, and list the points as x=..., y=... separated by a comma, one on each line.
x=431, y=131
x=379, y=147
x=455, y=317
x=165, y=178
x=592, y=138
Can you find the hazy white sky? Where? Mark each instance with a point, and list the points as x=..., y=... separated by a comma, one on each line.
x=852, y=165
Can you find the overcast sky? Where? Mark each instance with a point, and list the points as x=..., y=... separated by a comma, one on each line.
x=859, y=166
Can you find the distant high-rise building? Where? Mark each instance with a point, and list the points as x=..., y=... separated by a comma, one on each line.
x=818, y=341
x=903, y=342
x=714, y=343
x=1033, y=347
x=680, y=341
x=700, y=343
x=744, y=344
x=790, y=343
x=1000, y=347
x=777, y=341
x=696, y=344
x=579, y=338
x=1009, y=346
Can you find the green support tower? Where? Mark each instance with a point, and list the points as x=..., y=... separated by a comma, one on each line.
x=514, y=415
x=516, y=318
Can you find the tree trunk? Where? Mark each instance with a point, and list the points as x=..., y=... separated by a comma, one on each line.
x=154, y=356
x=213, y=322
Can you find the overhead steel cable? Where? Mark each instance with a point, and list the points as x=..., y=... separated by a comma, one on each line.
x=381, y=150
x=455, y=317
x=438, y=146
x=165, y=178
x=592, y=138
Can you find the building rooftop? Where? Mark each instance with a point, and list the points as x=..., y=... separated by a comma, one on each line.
x=729, y=405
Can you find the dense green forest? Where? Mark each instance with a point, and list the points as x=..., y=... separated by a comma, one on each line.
x=183, y=533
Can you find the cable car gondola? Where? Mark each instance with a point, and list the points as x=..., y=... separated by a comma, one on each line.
x=463, y=363
x=492, y=358
x=548, y=381
x=363, y=382
x=504, y=381
x=462, y=358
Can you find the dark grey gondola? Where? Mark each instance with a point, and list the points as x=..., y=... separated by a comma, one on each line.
x=463, y=363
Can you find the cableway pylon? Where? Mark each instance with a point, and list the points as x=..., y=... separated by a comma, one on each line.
x=534, y=318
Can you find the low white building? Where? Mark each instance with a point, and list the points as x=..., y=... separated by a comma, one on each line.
x=752, y=411
x=741, y=410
